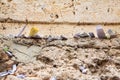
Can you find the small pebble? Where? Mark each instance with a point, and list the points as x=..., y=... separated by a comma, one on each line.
x=91, y=34
x=83, y=35
x=111, y=33
x=100, y=32
x=49, y=39
x=77, y=36
x=63, y=38
x=36, y=37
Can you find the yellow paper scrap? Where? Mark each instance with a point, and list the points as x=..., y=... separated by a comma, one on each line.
x=33, y=31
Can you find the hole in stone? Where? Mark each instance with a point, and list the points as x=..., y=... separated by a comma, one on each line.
x=2, y=3
x=108, y=10
x=54, y=66
x=56, y=16
x=86, y=8
x=74, y=12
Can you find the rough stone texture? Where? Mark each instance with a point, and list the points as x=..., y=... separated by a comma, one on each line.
x=61, y=10
x=42, y=60
x=13, y=29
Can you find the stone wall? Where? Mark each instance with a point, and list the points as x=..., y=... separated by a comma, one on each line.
x=61, y=10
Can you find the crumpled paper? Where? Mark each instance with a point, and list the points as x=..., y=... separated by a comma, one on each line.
x=22, y=76
x=14, y=67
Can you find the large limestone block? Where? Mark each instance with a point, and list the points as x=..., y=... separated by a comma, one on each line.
x=61, y=10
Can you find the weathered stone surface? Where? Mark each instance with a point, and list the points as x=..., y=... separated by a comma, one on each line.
x=63, y=58
x=82, y=42
x=59, y=10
